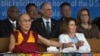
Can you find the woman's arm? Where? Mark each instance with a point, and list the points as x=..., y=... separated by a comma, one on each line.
x=49, y=42
x=63, y=40
x=79, y=43
x=12, y=43
x=85, y=47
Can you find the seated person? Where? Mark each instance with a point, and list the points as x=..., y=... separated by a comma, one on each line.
x=85, y=26
x=24, y=40
x=75, y=42
x=9, y=24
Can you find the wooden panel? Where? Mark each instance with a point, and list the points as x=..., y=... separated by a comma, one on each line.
x=4, y=43
x=95, y=44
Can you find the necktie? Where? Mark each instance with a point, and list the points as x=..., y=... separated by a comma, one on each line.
x=47, y=27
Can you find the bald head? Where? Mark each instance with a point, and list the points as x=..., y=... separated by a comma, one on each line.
x=24, y=16
x=46, y=10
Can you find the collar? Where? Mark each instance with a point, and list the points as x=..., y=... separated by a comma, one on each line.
x=45, y=20
x=12, y=21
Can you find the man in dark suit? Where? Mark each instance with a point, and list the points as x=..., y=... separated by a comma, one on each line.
x=46, y=26
x=9, y=25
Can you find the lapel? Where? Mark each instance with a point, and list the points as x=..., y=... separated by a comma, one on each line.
x=42, y=25
x=52, y=26
x=9, y=25
x=67, y=38
x=78, y=36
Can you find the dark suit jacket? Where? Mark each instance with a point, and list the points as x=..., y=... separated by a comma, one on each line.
x=1, y=28
x=6, y=28
x=39, y=27
x=97, y=22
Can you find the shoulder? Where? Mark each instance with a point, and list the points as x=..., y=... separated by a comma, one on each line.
x=15, y=32
x=53, y=19
x=5, y=20
x=34, y=33
x=93, y=25
x=79, y=34
x=79, y=26
x=1, y=22
x=64, y=38
x=63, y=35
x=38, y=20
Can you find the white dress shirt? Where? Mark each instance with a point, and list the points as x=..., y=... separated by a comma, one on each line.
x=13, y=22
x=45, y=20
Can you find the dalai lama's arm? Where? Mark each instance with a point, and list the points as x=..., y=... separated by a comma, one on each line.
x=49, y=42
x=12, y=43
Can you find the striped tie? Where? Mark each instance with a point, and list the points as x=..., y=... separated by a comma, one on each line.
x=47, y=27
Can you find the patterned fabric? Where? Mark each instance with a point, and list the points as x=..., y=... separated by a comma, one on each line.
x=51, y=54
x=25, y=43
x=93, y=32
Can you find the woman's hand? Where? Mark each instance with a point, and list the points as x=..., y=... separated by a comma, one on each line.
x=79, y=43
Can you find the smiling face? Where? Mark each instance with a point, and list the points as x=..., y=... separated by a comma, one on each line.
x=25, y=22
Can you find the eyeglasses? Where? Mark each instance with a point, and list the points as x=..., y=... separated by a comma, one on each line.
x=84, y=14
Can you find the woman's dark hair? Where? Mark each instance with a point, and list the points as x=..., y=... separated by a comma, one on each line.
x=79, y=16
x=64, y=25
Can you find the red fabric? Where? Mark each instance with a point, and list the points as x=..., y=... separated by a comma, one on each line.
x=25, y=47
x=34, y=54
